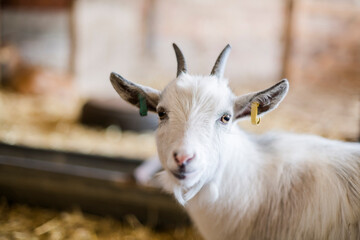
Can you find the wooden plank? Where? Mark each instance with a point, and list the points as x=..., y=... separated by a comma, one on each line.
x=125, y=165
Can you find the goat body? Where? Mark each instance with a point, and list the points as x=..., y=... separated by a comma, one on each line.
x=240, y=186
x=282, y=186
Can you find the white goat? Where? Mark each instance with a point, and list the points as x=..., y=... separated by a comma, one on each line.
x=235, y=185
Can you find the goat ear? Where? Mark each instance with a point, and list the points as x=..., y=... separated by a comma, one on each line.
x=131, y=92
x=268, y=100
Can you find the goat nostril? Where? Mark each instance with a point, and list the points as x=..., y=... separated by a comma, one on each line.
x=175, y=156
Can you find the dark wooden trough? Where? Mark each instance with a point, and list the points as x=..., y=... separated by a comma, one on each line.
x=97, y=184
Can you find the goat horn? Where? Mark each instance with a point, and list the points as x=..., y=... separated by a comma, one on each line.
x=218, y=69
x=181, y=67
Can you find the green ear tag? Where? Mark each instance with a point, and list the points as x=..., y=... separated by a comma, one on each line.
x=143, y=106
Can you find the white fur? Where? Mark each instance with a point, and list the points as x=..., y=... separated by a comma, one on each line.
x=274, y=186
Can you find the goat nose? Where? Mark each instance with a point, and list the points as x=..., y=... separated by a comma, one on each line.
x=182, y=159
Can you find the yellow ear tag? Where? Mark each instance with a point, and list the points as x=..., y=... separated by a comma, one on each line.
x=255, y=120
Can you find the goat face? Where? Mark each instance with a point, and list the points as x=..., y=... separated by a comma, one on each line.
x=196, y=115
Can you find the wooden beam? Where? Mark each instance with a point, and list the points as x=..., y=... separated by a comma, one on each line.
x=38, y=4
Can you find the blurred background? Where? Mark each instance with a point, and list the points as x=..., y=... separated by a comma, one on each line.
x=65, y=133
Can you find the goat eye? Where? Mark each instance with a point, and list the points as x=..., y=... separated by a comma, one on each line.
x=225, y=118
x=162, y=115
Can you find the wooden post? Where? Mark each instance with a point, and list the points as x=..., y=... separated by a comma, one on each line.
x=148, y=27
x=1, y=76
x=287, y=37
x=72, y=38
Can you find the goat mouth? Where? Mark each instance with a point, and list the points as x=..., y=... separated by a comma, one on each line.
x=181, y=175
